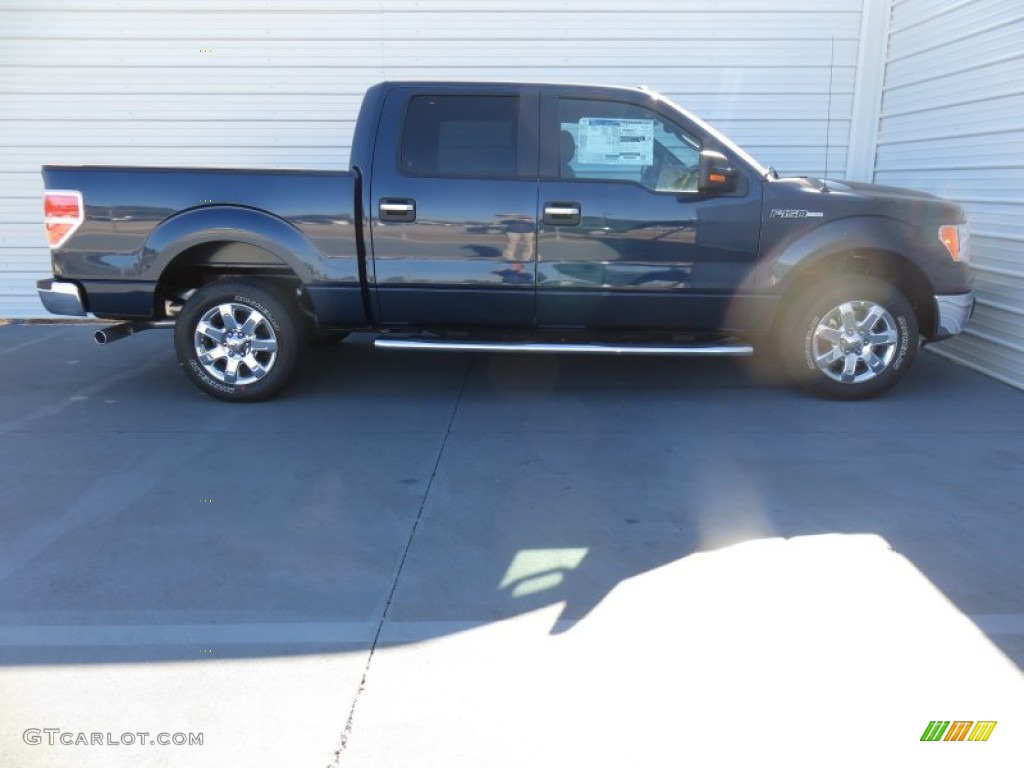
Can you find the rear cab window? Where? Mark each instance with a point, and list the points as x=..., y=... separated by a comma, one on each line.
x=457, y=136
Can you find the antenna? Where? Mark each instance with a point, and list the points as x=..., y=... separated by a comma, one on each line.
x=828, y=116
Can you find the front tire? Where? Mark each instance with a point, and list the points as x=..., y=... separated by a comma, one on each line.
x=238, y=340
x=850, y=339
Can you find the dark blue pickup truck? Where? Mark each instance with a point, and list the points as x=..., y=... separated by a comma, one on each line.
x=520, y=217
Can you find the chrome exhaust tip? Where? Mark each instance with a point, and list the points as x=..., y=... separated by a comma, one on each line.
x=128, y=328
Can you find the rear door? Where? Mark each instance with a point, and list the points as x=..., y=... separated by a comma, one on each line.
x=454, y=196
x=626, y=240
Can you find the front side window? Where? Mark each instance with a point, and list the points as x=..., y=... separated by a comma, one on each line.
x=460, y=136
x=614, y=141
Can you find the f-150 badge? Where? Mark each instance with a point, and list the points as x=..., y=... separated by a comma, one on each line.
x=790, y=213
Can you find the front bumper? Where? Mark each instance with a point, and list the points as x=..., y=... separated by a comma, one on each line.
x=61, y=297
x=952, y=313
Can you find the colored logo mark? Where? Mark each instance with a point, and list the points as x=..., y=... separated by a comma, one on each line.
x=958, y=730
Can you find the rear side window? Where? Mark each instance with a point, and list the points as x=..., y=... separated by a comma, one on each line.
x=460, y=136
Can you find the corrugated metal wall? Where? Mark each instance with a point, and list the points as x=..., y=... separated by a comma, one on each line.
x=953, y=123
x=251, y=83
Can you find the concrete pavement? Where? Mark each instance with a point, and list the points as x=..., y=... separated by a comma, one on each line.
x=446, y=560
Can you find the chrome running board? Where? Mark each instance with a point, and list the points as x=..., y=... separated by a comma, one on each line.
x=596, y=348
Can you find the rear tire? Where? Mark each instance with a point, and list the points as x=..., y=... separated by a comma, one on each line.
x=851, y=338
x=238, y=340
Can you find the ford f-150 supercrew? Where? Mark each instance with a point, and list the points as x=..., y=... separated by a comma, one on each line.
x=519, y=217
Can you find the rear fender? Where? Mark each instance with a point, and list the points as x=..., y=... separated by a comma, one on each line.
x=225, y=223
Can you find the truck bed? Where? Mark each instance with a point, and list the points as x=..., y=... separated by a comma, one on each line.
x=137, y=220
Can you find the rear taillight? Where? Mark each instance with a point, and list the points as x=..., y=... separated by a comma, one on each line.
x=63, y=213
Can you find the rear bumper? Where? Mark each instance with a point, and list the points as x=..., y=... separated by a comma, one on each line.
x=61, y=297
x=952, y=313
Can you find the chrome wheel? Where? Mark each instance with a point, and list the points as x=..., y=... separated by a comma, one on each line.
x=235, y=343
x=854, y=342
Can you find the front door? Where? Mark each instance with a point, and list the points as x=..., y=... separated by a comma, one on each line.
x=625, y=239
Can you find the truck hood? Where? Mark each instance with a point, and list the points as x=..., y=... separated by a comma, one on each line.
x=880, y=192
x=856, y=197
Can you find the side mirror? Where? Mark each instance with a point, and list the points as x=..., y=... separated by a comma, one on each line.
x=716, y=175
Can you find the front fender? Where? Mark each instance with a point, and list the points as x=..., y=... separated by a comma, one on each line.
x=803, y=250
x=795, y=253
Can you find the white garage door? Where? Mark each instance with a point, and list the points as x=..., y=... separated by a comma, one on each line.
x=953, y=123
x=277, y=84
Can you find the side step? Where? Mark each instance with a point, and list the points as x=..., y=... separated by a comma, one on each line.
x=595, y=348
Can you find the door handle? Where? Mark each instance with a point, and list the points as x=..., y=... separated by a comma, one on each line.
x=558, y=214
x=397, y=209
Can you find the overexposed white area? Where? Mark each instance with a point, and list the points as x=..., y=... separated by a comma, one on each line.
x=819, y=650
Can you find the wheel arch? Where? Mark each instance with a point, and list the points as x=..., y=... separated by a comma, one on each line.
x=205, y=262
x=229, y=223
x=194, y=247
x=879, y=263
x=868, y=246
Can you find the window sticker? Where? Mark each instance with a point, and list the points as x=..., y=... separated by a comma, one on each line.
x=615, y=141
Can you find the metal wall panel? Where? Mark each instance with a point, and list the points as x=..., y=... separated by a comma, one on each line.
x=250, y=83
x=951, y=123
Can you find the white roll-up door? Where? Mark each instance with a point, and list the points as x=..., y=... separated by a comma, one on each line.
x=254, y=83
x=953, y=123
